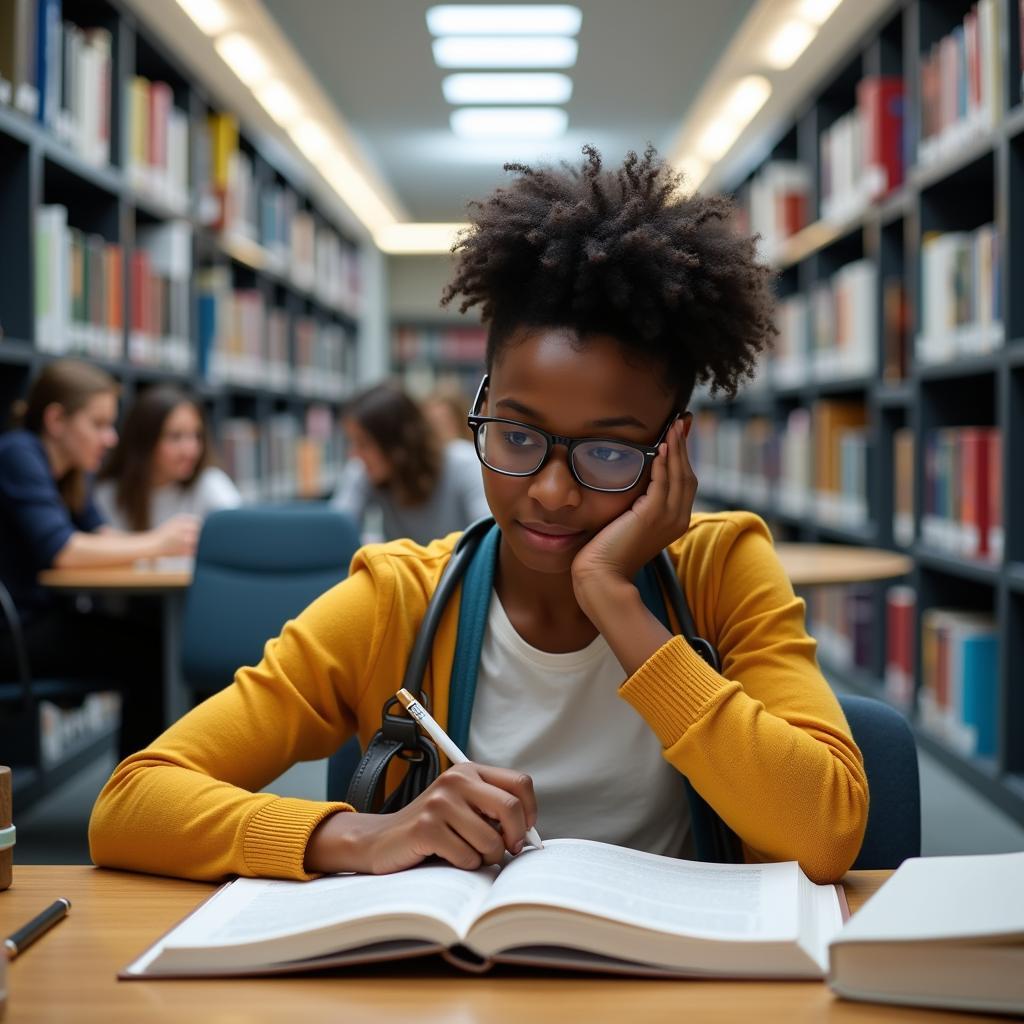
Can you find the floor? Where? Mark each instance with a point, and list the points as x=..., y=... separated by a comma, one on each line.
x=954, y=819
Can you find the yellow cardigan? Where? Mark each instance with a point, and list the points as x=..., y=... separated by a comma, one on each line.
x=765, y=742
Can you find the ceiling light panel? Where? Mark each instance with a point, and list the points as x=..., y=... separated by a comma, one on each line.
x=817, y=12
x=505, y=52
x=514, y=87
x=509, y=122
x=210, y=16
x=279, y=102
x=788, y=43
x=504, y=19
x=241, y=54
x=398, y=239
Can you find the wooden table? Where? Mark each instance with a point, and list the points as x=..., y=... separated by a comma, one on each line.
x=169, y=585
x=69, y=975
x=810, y=565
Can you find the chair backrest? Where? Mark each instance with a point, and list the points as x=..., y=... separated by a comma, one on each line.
x=256, y=568
x=890, y=760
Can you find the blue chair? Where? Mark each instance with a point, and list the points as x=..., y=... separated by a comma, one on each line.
x=256, y=568
x=890, y=761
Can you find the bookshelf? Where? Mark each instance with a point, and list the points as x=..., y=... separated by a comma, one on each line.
x=144, y=229
x=934, y=345
x=429, y=356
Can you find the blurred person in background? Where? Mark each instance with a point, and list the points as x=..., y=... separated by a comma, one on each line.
x=423, y=486
x=446, y=409
x=163, y=465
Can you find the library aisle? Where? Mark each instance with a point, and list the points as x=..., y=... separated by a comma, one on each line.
x=254, y=202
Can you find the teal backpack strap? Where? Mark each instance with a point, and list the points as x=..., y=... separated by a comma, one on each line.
x=477, y=585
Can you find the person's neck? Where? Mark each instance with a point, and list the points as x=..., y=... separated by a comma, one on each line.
x=60, y=464
x=541, y=606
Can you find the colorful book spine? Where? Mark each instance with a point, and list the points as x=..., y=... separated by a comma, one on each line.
x=900, y=628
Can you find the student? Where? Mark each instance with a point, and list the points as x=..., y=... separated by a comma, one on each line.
x=423, y=488
x=162, y=465
x=48, y=519
x=607, y=294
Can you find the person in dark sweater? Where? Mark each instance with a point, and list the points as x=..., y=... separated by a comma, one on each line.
x=48, y=520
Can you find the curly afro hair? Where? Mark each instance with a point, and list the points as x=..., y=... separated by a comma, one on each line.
x=625, y=253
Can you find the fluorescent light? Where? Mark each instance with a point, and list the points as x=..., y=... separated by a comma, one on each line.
x=716, y=140
x=311, y=138
x=513, y=87
x=504, y=19
x=241, y=55
x=279, y=102
x=210, y=16
x=746, y=99
x=355, y=191
x=399, y=239
x=788, y=43
x=505, y=52
x=506, y=122
x=817, y=12
x=694, y=171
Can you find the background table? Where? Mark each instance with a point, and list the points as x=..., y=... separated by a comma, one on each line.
x=69, y=975
x=810, y=565
x=169, y=585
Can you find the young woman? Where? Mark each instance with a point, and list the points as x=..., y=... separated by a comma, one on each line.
x=424, y=488
x=48, y=519
x=446, y=411
x=163, y=465
x=607, y=295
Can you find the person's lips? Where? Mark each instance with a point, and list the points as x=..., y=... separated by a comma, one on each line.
x=549, y=536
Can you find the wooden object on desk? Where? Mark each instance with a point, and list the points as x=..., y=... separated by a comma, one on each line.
x=122, y=577
x=118, y=914
x=6, y=812
x=809, y=565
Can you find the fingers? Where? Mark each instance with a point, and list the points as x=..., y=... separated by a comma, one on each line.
x=517, y=785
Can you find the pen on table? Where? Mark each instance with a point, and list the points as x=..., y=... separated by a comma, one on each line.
x=444, y=741
x=20, y=940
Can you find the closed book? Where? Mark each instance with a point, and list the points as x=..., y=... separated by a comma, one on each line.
x=943, y=932
x=979, y=658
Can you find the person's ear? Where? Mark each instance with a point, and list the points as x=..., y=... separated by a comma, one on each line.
x=687, y=419
x=55, y=418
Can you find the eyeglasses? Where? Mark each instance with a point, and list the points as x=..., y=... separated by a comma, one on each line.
x=598, y=463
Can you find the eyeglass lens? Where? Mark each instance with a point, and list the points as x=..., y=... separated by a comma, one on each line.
x=513, y=448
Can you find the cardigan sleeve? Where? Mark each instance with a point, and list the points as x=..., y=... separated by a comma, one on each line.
x=765, y=742
x=189, y=804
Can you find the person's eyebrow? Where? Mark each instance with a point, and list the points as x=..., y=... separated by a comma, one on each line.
x=602, y=424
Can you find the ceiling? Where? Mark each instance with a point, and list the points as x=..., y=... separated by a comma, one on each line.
x=640, y=66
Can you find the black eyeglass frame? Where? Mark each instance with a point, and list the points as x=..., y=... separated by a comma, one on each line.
x=476, y=421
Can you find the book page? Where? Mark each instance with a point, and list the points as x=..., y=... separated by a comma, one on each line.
x=721, y=901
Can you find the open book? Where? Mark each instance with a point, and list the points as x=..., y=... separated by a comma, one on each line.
x=575, y=904
x=943, y=931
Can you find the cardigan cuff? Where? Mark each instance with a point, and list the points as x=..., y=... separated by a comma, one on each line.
x=276, y=836
x=674, y=688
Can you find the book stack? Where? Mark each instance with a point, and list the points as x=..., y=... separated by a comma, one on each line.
x=440, y=344
x=158, y=143
x=903, y=486
x=778, y=204
x=895, y=331
x=302, y=258
x=961, y=93
x=842, y=621
x=840, y=462
x=277, y=369
x=795, y=494
x=789, y=362
x=79, y=291
x=900, y=629
x=232, y=329
x=277, y=206
x=337, y=273
x=845, y=323
x=160, y=274
x=281, y=435
x=958, y=699
x=861, y=153
x=961, y=311
x=58, y=72
x=238, y=442
x=320, y=366
x=963, y=492
x=319, y=453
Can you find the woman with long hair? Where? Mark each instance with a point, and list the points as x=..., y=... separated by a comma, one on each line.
x=163, y=465
x=48, y=519
x=424, y=488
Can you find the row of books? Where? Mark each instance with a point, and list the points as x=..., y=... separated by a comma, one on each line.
x=776, y=205
x=961, y=311
x=59, y=73
x=283, y=457
x=861, y=153
x=963, y=492
x=243, y=341
x=157, y=147
x=961, y=91
x=815, y=466
x=269, y=215
x=831, y=334
x=843, y=622
x=439, y=345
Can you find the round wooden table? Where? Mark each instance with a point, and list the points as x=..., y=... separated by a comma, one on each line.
x=809, y=565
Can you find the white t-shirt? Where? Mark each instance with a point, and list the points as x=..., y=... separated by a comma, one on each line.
x=212, y=490
x=597, y=767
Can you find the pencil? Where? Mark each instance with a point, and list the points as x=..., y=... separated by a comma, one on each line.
x=20, y=940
